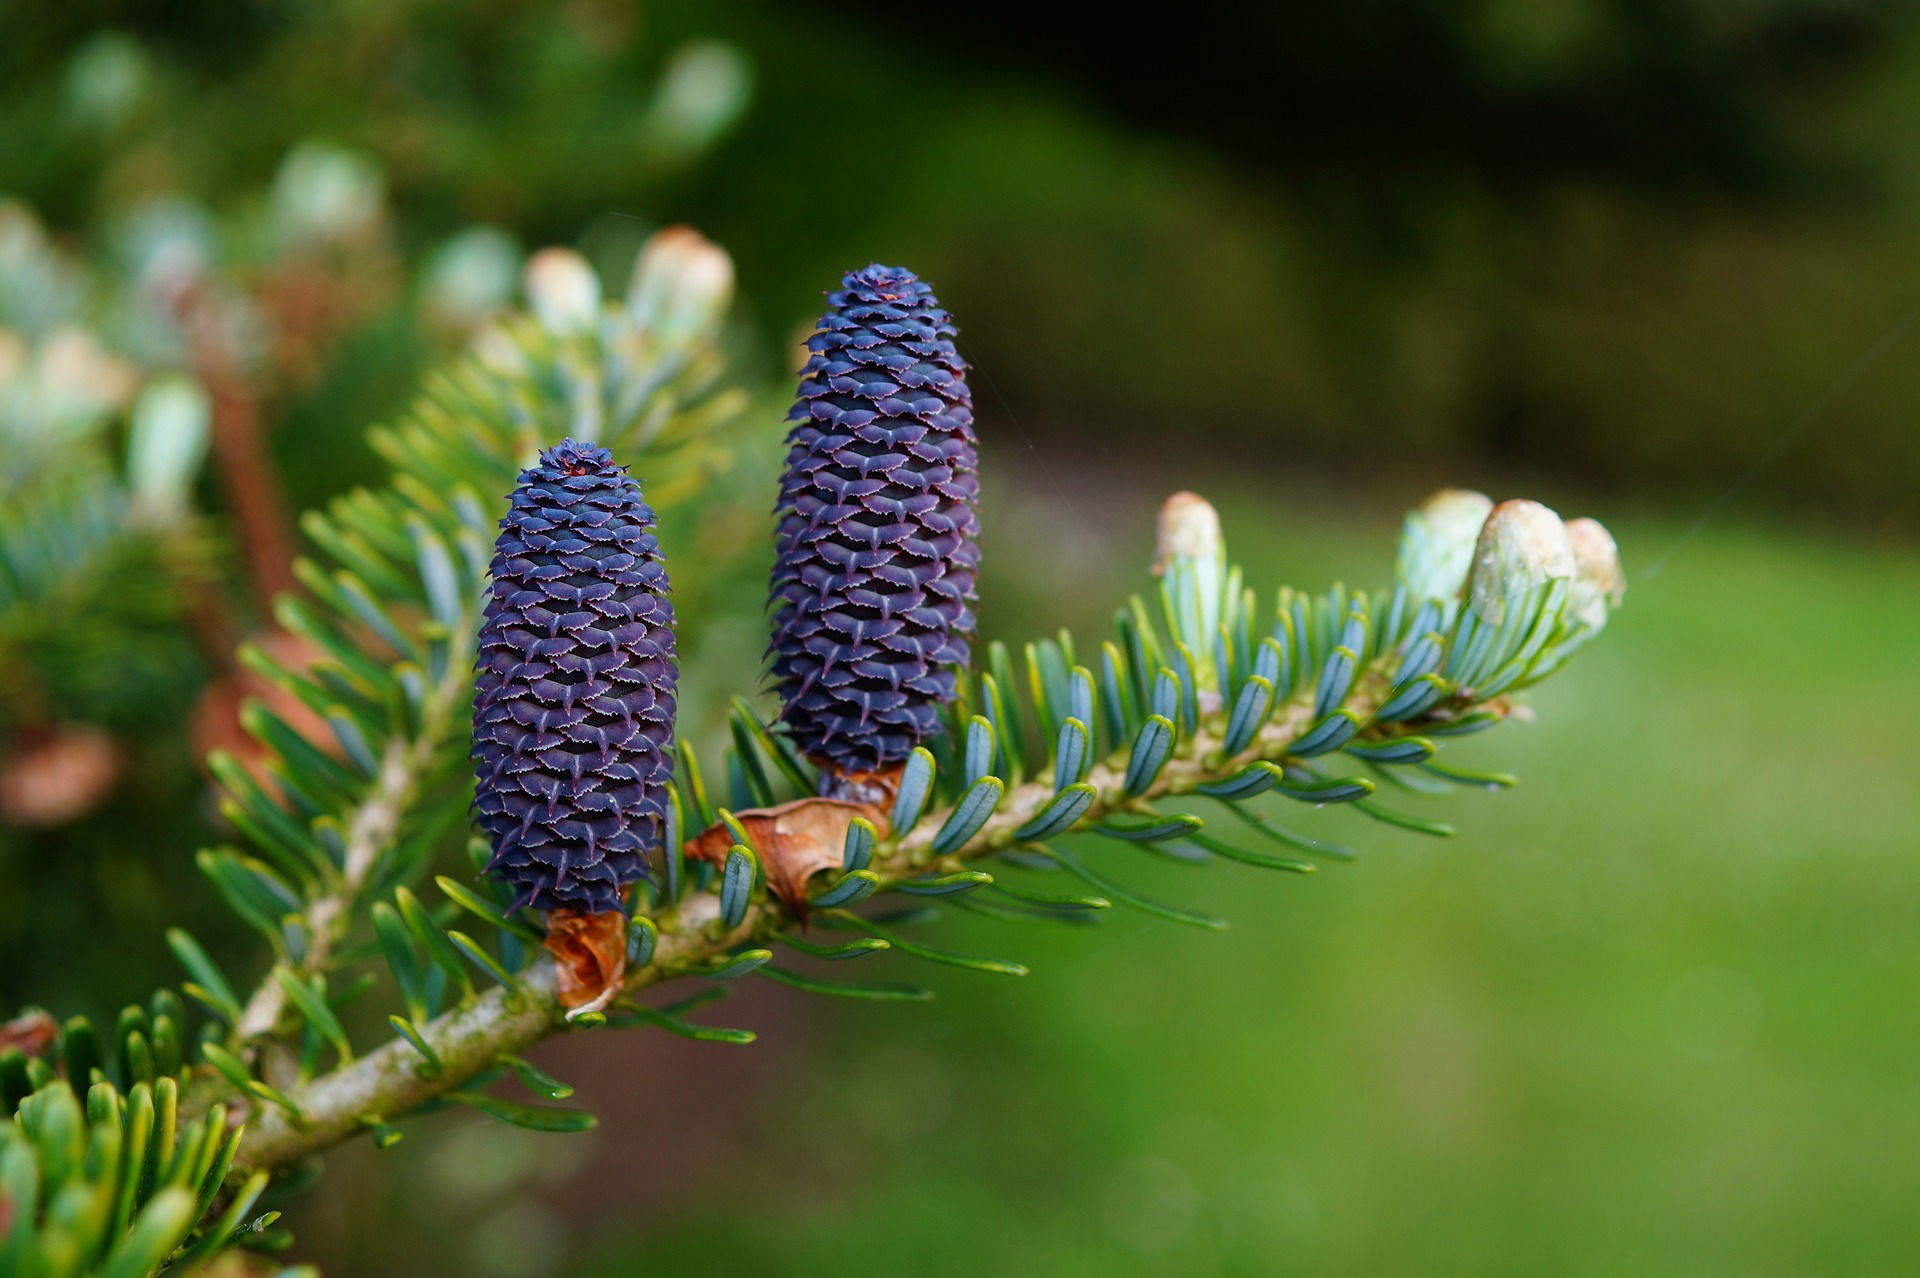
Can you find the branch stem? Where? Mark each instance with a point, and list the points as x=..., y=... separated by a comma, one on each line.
x=395, y=1078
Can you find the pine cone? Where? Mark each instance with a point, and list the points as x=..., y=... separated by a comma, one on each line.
x=874, y=561
x=573, y=711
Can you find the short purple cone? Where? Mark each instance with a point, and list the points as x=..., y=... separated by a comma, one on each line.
x=573, y=709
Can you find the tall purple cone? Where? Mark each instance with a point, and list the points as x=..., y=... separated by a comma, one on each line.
x=874, y=554
x=573, y=710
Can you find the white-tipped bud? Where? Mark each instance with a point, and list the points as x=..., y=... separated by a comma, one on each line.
x=109, y=76
x=327, y=195
x=1522, y=546
x=471, y=278
x=701, y=92
x=682, y=283
x=1598, y=585
x=1437, y=540
x=1189, y=529
x=166, y=444
x=563, y=289
x=1190, y=558
x=79, y=381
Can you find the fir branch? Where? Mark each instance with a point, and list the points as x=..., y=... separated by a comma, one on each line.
x=371, y=827
x=395, y=1078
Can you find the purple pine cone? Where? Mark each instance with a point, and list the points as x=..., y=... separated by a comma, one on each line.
x=573, y=710
x=874, y=555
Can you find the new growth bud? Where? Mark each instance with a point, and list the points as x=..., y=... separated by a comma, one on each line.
x=166, y=443
x=1522, y=546
x=682, y=282
x=564, y=291
x=1437, y=541
x=1190, y=558
x=1188, y=529
x=326, y=195
x=470, y=278
x=1598, y=585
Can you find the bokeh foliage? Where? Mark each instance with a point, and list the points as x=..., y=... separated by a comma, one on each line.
x=1606, y=236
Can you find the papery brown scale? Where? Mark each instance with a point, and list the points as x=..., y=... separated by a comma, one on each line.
x=31, y=1033
x=589, y=957
x=798, y=840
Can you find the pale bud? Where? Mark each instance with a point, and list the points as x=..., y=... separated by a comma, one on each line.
x=79, y=381
x=327, y=195
x=1190, y=558
x=1188, y=528
x=471, y=277
x=682, y=283
x=1598, y=585
x=166, y=444
x=1437, y=540
x=563, y=289
x=703, y=89
x=1522, y=546
x=107, y=79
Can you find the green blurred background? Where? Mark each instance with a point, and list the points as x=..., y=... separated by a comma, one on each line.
x=1651, y=1012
